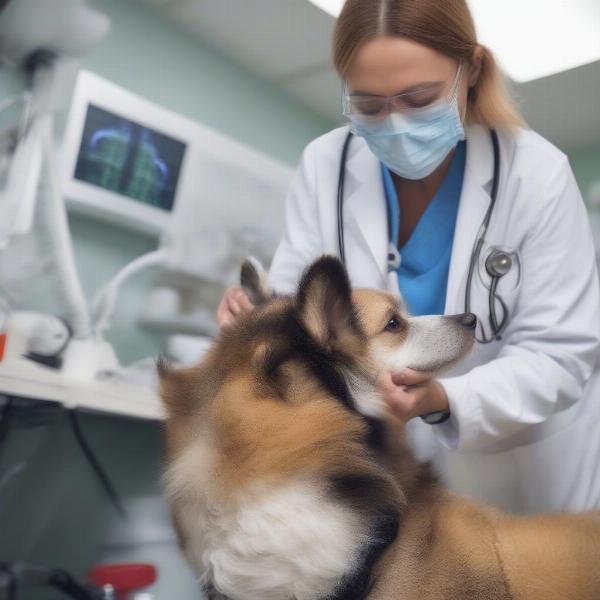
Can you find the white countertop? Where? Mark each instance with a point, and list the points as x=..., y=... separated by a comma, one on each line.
x=24, y=378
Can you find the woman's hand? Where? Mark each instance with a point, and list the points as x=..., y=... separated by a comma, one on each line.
x=234, y=303
x=411, y=393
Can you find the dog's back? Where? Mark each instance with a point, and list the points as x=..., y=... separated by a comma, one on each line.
x=289, y=481
x=456, y=548
x=553, y=556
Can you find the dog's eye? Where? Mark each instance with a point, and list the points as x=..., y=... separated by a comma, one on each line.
x=393, y=324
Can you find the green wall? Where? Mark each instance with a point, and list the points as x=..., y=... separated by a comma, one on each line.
x=11, y=81
x=156, y=59
x=586, y=166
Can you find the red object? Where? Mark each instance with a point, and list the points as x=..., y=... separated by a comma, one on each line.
x=2, y=345
x=124, y=578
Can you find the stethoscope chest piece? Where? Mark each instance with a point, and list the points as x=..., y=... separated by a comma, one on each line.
x=498, y=263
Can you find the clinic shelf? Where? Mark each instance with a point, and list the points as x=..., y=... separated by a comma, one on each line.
x=26, y=379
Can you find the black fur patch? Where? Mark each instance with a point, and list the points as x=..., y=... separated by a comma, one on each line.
x=364, y=491
x=291, y=342
x=359, y=584
x=377, y=432
x=212, y=594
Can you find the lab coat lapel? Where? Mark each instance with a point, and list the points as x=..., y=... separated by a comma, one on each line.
x=474, y=201
x=364, y=204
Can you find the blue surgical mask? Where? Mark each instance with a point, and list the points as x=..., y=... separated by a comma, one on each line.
x=413, y=145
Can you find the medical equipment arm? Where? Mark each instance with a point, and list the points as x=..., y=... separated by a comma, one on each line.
x=551, y=344
x=302, y=241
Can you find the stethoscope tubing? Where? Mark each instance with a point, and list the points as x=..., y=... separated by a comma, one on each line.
x=340, y=198
x=496, y=327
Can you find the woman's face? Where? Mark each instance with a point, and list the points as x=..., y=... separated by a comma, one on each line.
x=388, y=66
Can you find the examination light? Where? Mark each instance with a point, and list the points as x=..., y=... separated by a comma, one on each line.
x=65, y=28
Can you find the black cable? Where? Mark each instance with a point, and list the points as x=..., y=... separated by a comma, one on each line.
x=96, y=466
x=8, y=583
x=5, y=420
x=18, y=575
x=62, y=581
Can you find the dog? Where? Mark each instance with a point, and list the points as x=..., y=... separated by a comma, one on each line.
x=289, y=479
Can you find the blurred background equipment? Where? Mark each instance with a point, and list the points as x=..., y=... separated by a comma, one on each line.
x=211, y=200
x=61, y=28
x=125, y=160
x=107, y=582
x=44, y=38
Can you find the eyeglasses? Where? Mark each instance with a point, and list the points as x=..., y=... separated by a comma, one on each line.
x=373, y=108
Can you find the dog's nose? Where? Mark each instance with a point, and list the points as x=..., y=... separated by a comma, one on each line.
x=467, y=320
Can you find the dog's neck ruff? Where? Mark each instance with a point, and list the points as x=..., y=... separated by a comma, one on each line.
x=356, y=582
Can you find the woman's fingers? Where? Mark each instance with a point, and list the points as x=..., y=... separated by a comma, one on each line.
x=407, y=401
x=411, y=377
x=223, y=313
x=233, y=304
x=234, y=308
x=243, y=301
x=395, y=396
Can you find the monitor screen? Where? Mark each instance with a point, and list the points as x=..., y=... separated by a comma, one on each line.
x=122, y=156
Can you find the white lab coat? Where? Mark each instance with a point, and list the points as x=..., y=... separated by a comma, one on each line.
x=525, y=427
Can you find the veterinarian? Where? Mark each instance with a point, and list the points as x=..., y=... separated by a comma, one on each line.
x=483, y=216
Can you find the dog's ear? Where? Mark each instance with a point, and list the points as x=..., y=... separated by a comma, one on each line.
x=253, y=279
x=324, y=303
x=178, y=388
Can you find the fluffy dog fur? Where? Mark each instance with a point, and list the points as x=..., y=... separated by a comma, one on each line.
x=289, y=480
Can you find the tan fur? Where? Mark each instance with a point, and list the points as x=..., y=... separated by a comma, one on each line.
x=455, y=548
x=261, y=437
x=265, y=438
x=375, y=308
x=448, y=547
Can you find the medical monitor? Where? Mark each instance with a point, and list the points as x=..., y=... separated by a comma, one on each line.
x=134, y=163
x=124, y=158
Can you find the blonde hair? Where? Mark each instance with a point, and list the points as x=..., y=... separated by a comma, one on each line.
x=443, y=25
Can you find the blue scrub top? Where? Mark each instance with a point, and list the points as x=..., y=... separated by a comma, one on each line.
x=425, y=257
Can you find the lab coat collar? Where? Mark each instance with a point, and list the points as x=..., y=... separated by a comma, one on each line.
x=365, y=209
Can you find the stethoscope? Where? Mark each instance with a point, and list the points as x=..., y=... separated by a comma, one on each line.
x=497, y=264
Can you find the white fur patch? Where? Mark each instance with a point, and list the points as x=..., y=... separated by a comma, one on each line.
x=432, y=344
x=277, y=542
x=368, y=399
